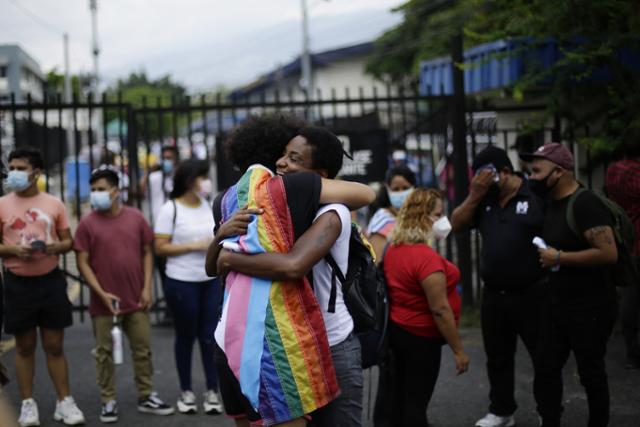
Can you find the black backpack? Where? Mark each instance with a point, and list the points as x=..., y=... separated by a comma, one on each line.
x=365, y=294
x=625, y=272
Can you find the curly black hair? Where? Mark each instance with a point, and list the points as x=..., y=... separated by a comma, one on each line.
x=261, y=139
x=327, y=150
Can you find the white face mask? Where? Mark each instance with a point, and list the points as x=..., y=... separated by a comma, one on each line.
x=441, y=228
x=206, y=188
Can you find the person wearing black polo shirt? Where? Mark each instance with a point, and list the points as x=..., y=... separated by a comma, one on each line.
x=501, y=206
x=583, y=302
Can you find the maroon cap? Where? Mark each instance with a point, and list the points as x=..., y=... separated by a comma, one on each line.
x=554, y=152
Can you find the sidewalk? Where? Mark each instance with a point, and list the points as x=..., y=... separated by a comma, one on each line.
x=457, y=401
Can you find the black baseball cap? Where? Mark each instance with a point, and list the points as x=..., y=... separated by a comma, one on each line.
x=494, y=156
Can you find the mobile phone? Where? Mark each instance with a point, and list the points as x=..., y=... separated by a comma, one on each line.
x=38, y=246
x=489, y=167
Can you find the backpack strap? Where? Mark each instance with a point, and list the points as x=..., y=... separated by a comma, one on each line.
x=336, y=274
x=175, y=214
x=571, y=215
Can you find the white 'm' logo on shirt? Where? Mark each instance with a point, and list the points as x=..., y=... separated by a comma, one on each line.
x=522, y=208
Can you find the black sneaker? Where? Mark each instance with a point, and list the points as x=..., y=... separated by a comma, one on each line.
x=109, y=412
x=153, y=405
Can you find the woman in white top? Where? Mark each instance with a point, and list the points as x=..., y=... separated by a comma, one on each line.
x=184, y=229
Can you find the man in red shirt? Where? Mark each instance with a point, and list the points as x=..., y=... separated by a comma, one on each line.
x=113, y=246
x=623, y=187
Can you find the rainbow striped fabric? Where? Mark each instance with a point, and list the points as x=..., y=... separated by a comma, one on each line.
x=272, y=332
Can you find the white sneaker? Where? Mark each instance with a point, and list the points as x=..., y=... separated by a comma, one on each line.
x=211, y=403
x=187, y=403
x=29, y=413
x=492, y=420
x=68, y=412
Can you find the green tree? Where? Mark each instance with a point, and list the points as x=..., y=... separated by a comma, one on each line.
x=594, y=36
x=137, y=88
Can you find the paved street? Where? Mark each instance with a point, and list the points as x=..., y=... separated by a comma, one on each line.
x=456, y=402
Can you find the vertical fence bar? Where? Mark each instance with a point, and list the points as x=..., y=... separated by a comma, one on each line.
x=416, y=110
x=90, y=114
x=431, y=112
x=105, y=131
x=30, y=140
x=347, y=101
x=174, y=121
x=14, y=119
x=187, y=100
x=390, y=112
x=320, y=106
x=334, y=104
x=121, y=135
x=78, y=183
x=45, y=143
x=205, y=127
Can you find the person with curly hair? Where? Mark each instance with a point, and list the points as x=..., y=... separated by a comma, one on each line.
x=424, y=305
x=274, y=361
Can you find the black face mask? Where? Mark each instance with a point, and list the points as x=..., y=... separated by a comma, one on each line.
x=493, y=193
x=540, y=187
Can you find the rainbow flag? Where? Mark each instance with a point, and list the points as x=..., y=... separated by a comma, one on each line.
x=272, y=332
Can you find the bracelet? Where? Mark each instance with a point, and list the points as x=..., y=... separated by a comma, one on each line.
x=558, y=257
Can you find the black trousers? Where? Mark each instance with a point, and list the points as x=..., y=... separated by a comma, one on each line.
x=505, y=317
x=585, y=333
x=416, y=368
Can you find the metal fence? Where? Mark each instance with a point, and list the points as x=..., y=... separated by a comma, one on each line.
x=77, y=136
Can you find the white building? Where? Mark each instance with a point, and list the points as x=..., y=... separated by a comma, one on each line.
x=338, y=73
x=20, y=74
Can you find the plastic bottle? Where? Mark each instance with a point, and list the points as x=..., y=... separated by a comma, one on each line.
x=116, y=339
x=541, y=244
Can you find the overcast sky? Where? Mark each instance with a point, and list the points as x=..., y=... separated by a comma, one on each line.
x=201, y=43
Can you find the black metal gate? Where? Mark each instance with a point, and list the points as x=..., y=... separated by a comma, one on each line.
x=78, y=136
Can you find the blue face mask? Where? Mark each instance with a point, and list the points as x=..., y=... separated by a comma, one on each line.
x=18, y=180
x=397, y=198
x=100, y=200
x=167, y=165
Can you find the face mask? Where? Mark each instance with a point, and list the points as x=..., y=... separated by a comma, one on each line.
x=100, y=200
x=540, y=188
x=441, y=228
x=493, y=193
x=206, y=188
x=18, y=180
x=167, y=165
x=397, y=198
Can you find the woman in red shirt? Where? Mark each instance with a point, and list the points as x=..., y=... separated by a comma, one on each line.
x=424, y=305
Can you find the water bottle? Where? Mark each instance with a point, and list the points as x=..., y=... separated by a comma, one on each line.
x=541, y=244
x=116, y=339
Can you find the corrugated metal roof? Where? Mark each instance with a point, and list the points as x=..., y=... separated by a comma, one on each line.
x=318, y=60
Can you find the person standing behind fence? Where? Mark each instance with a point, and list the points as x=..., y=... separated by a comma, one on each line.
x=508, y=216
x=118, y=270
x=424, y=306
x=35, y=231
x=623, y=187
x=583, y=301
x=183, y=230
x=399, y=183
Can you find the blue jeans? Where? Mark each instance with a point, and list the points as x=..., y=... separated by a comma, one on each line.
x=346, y=409
x=195, y=307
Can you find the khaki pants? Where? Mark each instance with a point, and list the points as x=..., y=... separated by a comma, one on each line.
x=137, y=327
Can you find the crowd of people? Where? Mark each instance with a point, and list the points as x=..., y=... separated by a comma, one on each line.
x=251, y=276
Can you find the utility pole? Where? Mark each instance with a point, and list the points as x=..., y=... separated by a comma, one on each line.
x=95, y=50
x=306, y=82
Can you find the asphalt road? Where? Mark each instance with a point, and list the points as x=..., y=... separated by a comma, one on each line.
x=457, y=401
